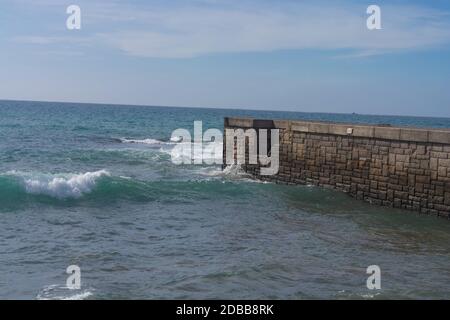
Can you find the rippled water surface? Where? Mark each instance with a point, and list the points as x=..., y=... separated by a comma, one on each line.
x=94, y=186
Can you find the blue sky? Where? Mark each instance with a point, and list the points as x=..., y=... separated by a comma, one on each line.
x=251, y=54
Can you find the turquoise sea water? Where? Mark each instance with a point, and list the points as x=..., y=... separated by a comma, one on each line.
x=94, y=186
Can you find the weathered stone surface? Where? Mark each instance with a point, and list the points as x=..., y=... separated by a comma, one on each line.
x=439, y=137
x=401, y=167
x=414, y=135
x=387, y=133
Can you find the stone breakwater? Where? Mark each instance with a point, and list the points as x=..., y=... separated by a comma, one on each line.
x=398, y=167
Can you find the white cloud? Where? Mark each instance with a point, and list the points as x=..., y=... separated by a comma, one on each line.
x=191, y=32
x=35, y=40
x=40, y=40
x=207, y=27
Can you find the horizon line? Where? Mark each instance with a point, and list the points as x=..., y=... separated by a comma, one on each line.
x=223, y=108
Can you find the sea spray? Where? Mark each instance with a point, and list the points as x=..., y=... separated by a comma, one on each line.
x=61, y=186
x=149, y=141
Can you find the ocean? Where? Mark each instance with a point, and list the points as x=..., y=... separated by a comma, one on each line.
x=94, y=186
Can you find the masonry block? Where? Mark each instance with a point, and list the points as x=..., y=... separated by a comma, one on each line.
x=407, y=168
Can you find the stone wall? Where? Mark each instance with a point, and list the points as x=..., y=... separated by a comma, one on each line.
x=398, y=167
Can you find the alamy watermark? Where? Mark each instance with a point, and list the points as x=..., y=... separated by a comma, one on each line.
x=73, y=22
x=73, y=281
x=374, y=20
x=374, y=280
x=250, y=146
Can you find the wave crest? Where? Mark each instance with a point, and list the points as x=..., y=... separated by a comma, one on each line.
x=61, y=186
x=142, y=141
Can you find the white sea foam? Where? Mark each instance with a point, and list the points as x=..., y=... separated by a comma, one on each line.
x=60, y=186
x=142, y=141
x=176, y=139
x=369, y=295
x=232, y=172
x=78, y=296
x=186, y=152
x=57, y=292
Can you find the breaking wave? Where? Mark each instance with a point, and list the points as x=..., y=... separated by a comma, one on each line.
x=186, y=152
x=151, y=141
x=233, y=172
x=142, y=141
x=57, y=186
x=99, y=188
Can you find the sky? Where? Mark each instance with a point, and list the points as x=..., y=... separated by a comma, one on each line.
x=292, y=55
